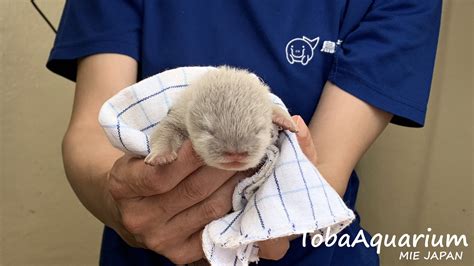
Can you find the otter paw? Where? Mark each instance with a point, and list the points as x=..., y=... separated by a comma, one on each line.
x=155, y=158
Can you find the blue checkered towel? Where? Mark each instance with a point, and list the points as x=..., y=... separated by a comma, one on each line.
x=286, y=196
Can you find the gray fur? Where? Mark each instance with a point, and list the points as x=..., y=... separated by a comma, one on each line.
x=225, y=110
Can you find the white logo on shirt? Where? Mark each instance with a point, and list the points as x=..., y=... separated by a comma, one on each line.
x=328, y=47
x=301, y=50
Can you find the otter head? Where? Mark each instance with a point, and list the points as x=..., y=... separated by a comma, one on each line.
x=229, y=119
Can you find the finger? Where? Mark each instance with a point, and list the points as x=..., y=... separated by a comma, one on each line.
x=129, y=238
x=195, y=188
x=214, y=207
x=273, y=249
x=131, y=177
x=188, y=252
x=305, y=140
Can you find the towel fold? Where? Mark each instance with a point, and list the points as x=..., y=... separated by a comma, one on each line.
x=286, y=196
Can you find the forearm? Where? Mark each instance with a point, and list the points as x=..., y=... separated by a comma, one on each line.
x=87, y=157
x=87, y=154
x=343, y=127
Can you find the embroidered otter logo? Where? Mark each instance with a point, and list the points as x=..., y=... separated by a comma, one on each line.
x=301, y=50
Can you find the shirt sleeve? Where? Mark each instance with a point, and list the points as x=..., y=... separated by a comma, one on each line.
x=387, y=59
x=95, y=26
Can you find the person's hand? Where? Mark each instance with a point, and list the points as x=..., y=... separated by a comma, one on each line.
x=305, y=140
x=165, y=208
x=275, y=249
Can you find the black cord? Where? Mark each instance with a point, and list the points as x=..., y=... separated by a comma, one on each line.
x=43, y=16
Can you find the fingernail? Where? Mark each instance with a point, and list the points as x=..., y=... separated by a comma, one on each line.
x=296, y=119
x=302, y=129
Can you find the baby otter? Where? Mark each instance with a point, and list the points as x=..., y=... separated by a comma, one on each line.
x=227, y=114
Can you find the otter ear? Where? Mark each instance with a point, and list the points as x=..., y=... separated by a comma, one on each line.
x=283, y=119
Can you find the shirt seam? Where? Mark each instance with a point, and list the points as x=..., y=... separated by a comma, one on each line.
x=93, y=43
x=338, y=71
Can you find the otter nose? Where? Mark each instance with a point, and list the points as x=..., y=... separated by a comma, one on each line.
x=235, y=156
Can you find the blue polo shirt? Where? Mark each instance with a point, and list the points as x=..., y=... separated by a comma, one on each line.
x=380, y=51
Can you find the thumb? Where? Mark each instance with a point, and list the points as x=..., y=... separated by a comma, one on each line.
x=305, y=140
x=273, y=249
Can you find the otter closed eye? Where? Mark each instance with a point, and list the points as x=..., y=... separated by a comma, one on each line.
x=223, y=113
x=208, y=131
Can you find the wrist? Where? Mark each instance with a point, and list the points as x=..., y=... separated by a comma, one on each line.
x=335, y=175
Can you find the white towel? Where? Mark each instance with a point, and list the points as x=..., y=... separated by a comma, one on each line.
x=286, y=196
